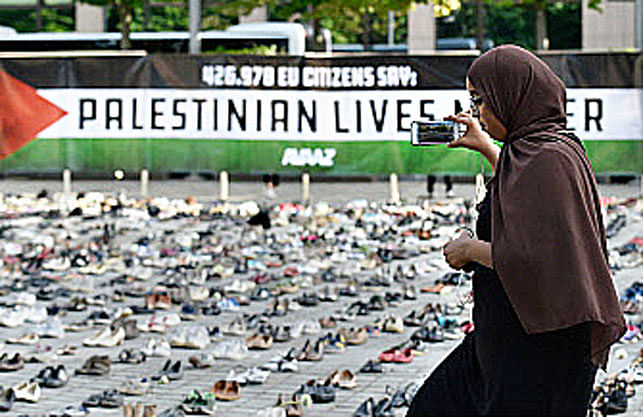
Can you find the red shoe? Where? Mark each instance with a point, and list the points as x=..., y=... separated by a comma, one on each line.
x=403, y=356
x=388, y=355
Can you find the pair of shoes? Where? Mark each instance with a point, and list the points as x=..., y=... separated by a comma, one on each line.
x=106, y=399
x=157, y=346
x=96, y=365
x=25, y=339
x=107, y=337
x=294, y=407
x=173, y=372
x=237, y=327
x=355, y=336
x=11, y=364
x=371, y=367
x=252, y=376
x=7, y=398
x=370, y=408
x=397, y=356
x=196, y=337
x=27, y=391
x=393, y=324
x=319, y=393
x=199, y=403
x=202, y=361
x=132, y=356
x=402, y=397
x=234, y=349
x=310, y=352
x=344, y=379
x=135, y=386
x=259, y=341
x=224, y=390
x=281, y=364
x=53, y=377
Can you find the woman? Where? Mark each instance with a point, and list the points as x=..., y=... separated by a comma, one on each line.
x=545, y=309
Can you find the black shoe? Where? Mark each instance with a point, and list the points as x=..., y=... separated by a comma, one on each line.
x=365, y=409
x=7, y=398
x=372, y=367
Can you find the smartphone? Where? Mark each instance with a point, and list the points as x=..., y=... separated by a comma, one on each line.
x=434, y=132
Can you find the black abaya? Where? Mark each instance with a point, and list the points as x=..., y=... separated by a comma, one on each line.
x=499, y=369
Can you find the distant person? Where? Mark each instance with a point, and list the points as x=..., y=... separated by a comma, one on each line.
x=545, y=309
x=430, y=185
x=270, y=182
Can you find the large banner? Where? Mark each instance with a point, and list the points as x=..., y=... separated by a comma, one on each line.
x=251, y=114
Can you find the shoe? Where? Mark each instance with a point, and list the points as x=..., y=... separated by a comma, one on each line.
x=356, y=337
x=7, y=398
x=134, y=386
x=199, y=403
x=106, y=338
x=173, y=372
x=95, y=365
x=25, y=339
x=106, y=399
x=372, y=367
x=259, y=342
x=236, y=327
x=52, y=377
x=11, y=364
x=157, y=347
x=343, y=379
x=27, y=391
x=202, y=361
x=384, y=408
x=132, y=356
x=319, y=393
x=366, y=409
x=226, y=390
x=235, y=349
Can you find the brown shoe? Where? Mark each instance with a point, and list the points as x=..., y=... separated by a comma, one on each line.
x=356, y=336
x=327, y=323
x=226, y=390
x=259, y=341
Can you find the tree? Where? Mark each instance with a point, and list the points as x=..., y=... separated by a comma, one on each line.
x=220, y=13
x=125, y=11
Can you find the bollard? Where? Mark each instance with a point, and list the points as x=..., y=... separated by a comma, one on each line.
x=67, y=181
x=305, y=187
x=480, y=188
x=225, y=186
x=145, y=180
x=395, y=189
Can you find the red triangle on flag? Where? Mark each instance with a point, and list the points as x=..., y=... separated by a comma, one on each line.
x=23, y=114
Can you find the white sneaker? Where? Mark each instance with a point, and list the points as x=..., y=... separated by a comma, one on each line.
x=158, y=347
x=27, y=391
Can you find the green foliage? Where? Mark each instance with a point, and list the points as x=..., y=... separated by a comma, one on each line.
x=256, y=50
x=24, y=20
x=507, y=23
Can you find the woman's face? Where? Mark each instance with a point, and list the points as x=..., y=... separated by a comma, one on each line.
x=488, y=120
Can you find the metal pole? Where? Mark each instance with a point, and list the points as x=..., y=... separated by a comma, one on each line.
x=195, y=26
x=391, y=28
x=638, y=25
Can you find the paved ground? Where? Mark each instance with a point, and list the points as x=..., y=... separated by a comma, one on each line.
x=257, y=397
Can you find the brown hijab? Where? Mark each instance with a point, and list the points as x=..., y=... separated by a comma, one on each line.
x=548, y=239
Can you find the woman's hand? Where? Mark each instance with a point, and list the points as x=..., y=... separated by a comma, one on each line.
x=475, y=138
x=457, y=252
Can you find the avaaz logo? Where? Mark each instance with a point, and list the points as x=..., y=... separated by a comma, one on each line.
x=309, y=157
